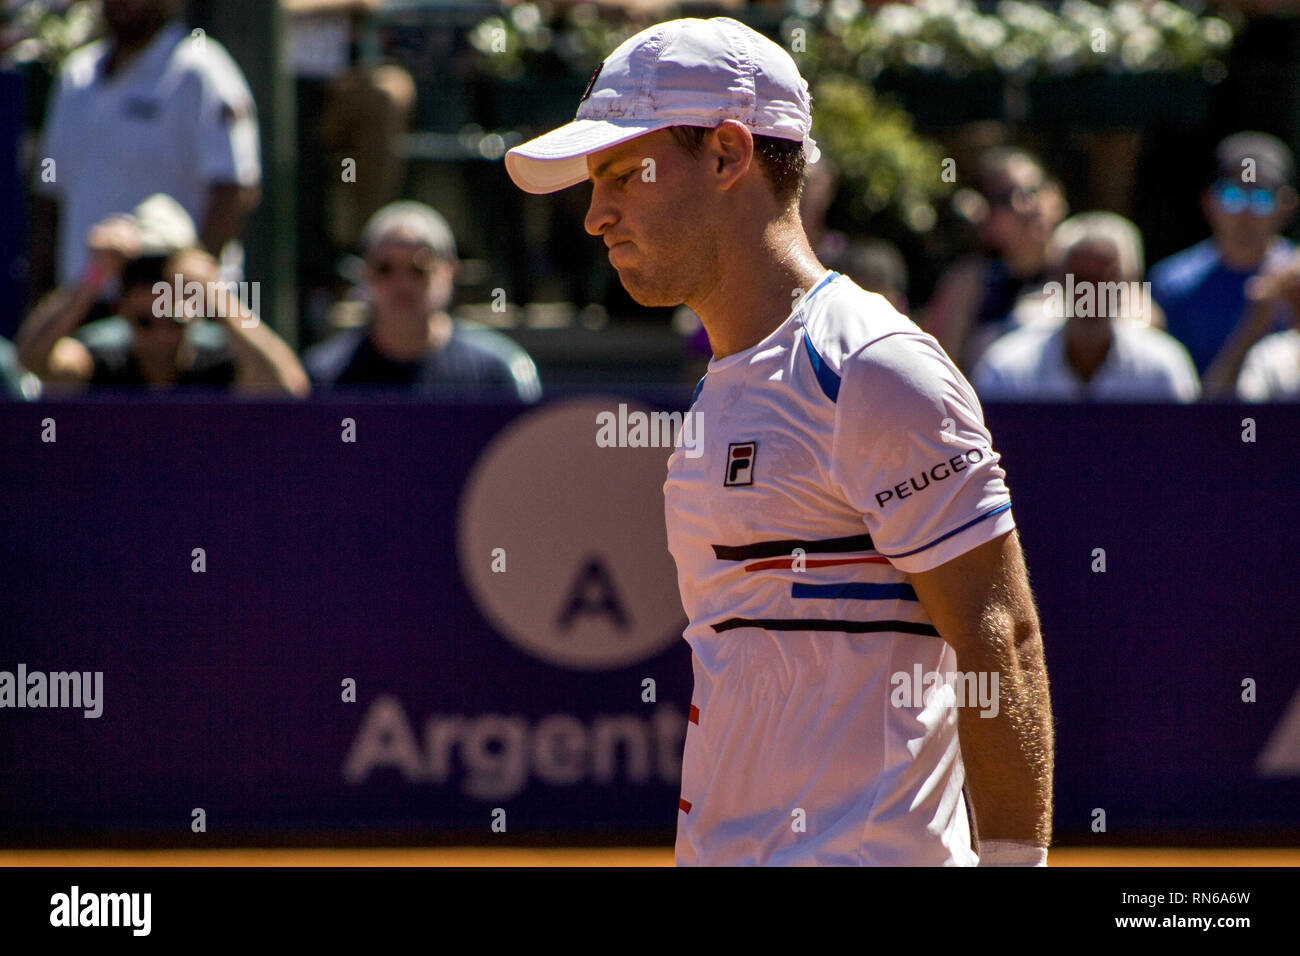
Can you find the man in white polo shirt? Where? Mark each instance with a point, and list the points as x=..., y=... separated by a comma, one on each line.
x=1092, y=340
x=1270, y=369
x=846, y=534
x=149, y=109
x=1271, y=372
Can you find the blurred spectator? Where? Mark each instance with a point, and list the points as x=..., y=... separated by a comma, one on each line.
x=157, y=339
x=877, y=266
x=1204, y=289
x=151, y=108
x=1037, y=307
x=1085, y=352
x=1270, y=371
x=409, y=338
x=1015, y=210
x=16, y=383
x=352, y=118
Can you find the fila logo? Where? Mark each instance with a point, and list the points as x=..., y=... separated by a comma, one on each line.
x=740, y=464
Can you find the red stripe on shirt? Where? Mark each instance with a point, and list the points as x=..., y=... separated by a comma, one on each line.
x=788, y=563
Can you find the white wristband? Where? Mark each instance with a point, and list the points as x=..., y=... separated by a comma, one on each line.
x=1011, y=853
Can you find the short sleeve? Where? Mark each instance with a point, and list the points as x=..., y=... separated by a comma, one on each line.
x=912, y=454
x=229, y=151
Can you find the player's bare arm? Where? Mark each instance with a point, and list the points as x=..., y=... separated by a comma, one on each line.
x=707, y=215
x=982, y=606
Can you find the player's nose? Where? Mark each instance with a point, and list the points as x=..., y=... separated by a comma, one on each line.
x=600, y=213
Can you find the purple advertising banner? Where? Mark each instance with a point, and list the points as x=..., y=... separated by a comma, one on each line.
x=267, y=622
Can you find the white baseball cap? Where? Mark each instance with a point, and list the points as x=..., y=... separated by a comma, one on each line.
x=164, y=226
x=678, y=73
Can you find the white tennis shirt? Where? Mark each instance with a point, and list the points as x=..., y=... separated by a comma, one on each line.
x=847, y=433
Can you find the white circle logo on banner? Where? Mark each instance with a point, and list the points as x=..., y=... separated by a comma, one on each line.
x=562, y=542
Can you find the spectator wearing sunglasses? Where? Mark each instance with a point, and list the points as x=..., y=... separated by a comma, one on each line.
x=409, y=339
x=1213, y=294
x=153, y=341
x=1015, y=210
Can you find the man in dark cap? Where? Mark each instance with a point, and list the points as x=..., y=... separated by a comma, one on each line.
x=1207, y=291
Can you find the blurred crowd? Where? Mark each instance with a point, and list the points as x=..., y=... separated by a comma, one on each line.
x=1065, y=309
x=150, y=167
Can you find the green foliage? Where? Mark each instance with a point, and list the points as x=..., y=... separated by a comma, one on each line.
x=889, y=170
x=884, y=165
x=1023, y=39
x=45, y=31
x=935, y=36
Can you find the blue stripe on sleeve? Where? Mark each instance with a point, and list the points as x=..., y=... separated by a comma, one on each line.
x=944, y=537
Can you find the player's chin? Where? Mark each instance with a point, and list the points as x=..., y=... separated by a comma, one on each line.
x=646, y=294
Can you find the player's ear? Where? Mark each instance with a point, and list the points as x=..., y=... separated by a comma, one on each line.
x=730, y=151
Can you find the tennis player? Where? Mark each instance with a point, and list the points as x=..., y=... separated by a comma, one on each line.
x=869, y=674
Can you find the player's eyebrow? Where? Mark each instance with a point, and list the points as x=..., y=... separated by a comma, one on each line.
x=604, y=167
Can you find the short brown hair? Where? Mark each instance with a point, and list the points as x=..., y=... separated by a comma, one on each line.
x=782, y=160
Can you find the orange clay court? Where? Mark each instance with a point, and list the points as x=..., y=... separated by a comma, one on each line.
x=579, y=856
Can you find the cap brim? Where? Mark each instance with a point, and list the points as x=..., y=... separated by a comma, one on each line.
x=558, y=159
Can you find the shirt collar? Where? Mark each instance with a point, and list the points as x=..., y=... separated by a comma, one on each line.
x=1065, y=371
x=154, y=53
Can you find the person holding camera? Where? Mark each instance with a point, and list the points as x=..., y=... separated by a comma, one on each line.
x=166, y=290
